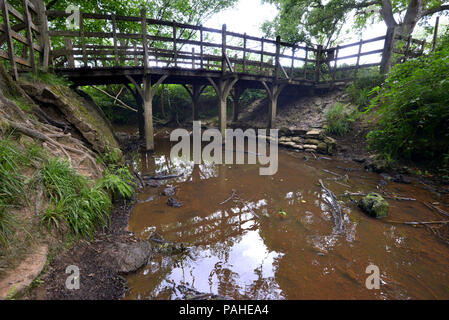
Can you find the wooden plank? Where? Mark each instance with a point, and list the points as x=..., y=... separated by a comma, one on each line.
x=27, y=16
x=262, y=41
x=7, y=27
x=15, y=13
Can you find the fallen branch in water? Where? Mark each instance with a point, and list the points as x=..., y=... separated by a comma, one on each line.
x=331, y=199
x=332, y=173
x=360, y=194
x=441, y=211
x=234, y=193
x=417, y=223
x=168, y=177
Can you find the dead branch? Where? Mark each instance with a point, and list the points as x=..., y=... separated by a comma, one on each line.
x=124, y=105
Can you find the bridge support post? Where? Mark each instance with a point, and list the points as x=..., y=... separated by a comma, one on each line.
x=195, y=92
x=222, y=88
x=148, y=94
x=273, y=92
x=236, y=94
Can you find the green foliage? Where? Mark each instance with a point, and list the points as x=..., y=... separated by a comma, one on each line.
x=412, y=108
x=117, y=179
x=119, y=183
x=12, y=183
x=361, y=89
x=72, y=201
x=312, y=21
x=339, y=120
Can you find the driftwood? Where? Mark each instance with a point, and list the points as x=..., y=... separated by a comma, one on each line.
x=167, y=177
x=360, y=194
x=441, y=211
x=335, y=207
x=234, y=193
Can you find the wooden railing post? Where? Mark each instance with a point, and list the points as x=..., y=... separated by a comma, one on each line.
x=435, y=34
x=201, y=46
x=318, y=62
x=244, y=53
x=175, y=53
x=358, y=59
x=28, y=21
x=334, y=73
x=277, y=58
x=293, y=63
x=114, y=34
x=223, y=49
x=193, y=58
x=305, y=63
x=44, y=37
x=261, y=55
x=144, y=40
x=11, y=54
x=136, y=62
x=69, y=47
x=83, y=40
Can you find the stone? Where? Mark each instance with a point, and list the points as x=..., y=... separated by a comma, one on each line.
x=401, y=179
x=312, y=141
x=298, y=132
x=172, y=202
x=297, y=139
x=377, y=165
x=284, y=132
x=127, y=257
x=310, y=147
x=152, y=183
x=322, y=148
x=314, y=134
x=374, y=205
x=169, y=192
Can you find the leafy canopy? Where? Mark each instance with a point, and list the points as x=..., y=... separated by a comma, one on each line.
x=322, y=21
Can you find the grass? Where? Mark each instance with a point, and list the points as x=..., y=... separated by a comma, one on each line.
x=339, y=120
x=73, y=203
x=46, y=77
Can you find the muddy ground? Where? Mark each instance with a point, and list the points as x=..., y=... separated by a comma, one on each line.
x=98, y=281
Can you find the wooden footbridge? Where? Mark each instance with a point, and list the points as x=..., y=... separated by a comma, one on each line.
x=111, y=49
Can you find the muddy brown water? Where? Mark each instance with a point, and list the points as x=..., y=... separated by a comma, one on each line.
x=245, y=249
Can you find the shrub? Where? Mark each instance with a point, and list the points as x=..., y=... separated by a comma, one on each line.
x=412, y=109
x=338, y=120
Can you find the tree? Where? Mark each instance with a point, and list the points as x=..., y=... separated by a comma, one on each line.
x=322, y=21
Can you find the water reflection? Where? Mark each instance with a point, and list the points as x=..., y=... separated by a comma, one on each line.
x=243, y=248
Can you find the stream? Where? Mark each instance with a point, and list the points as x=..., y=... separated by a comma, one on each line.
x=241, y=247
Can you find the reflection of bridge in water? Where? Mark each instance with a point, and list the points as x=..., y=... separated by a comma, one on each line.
x=127, y=50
